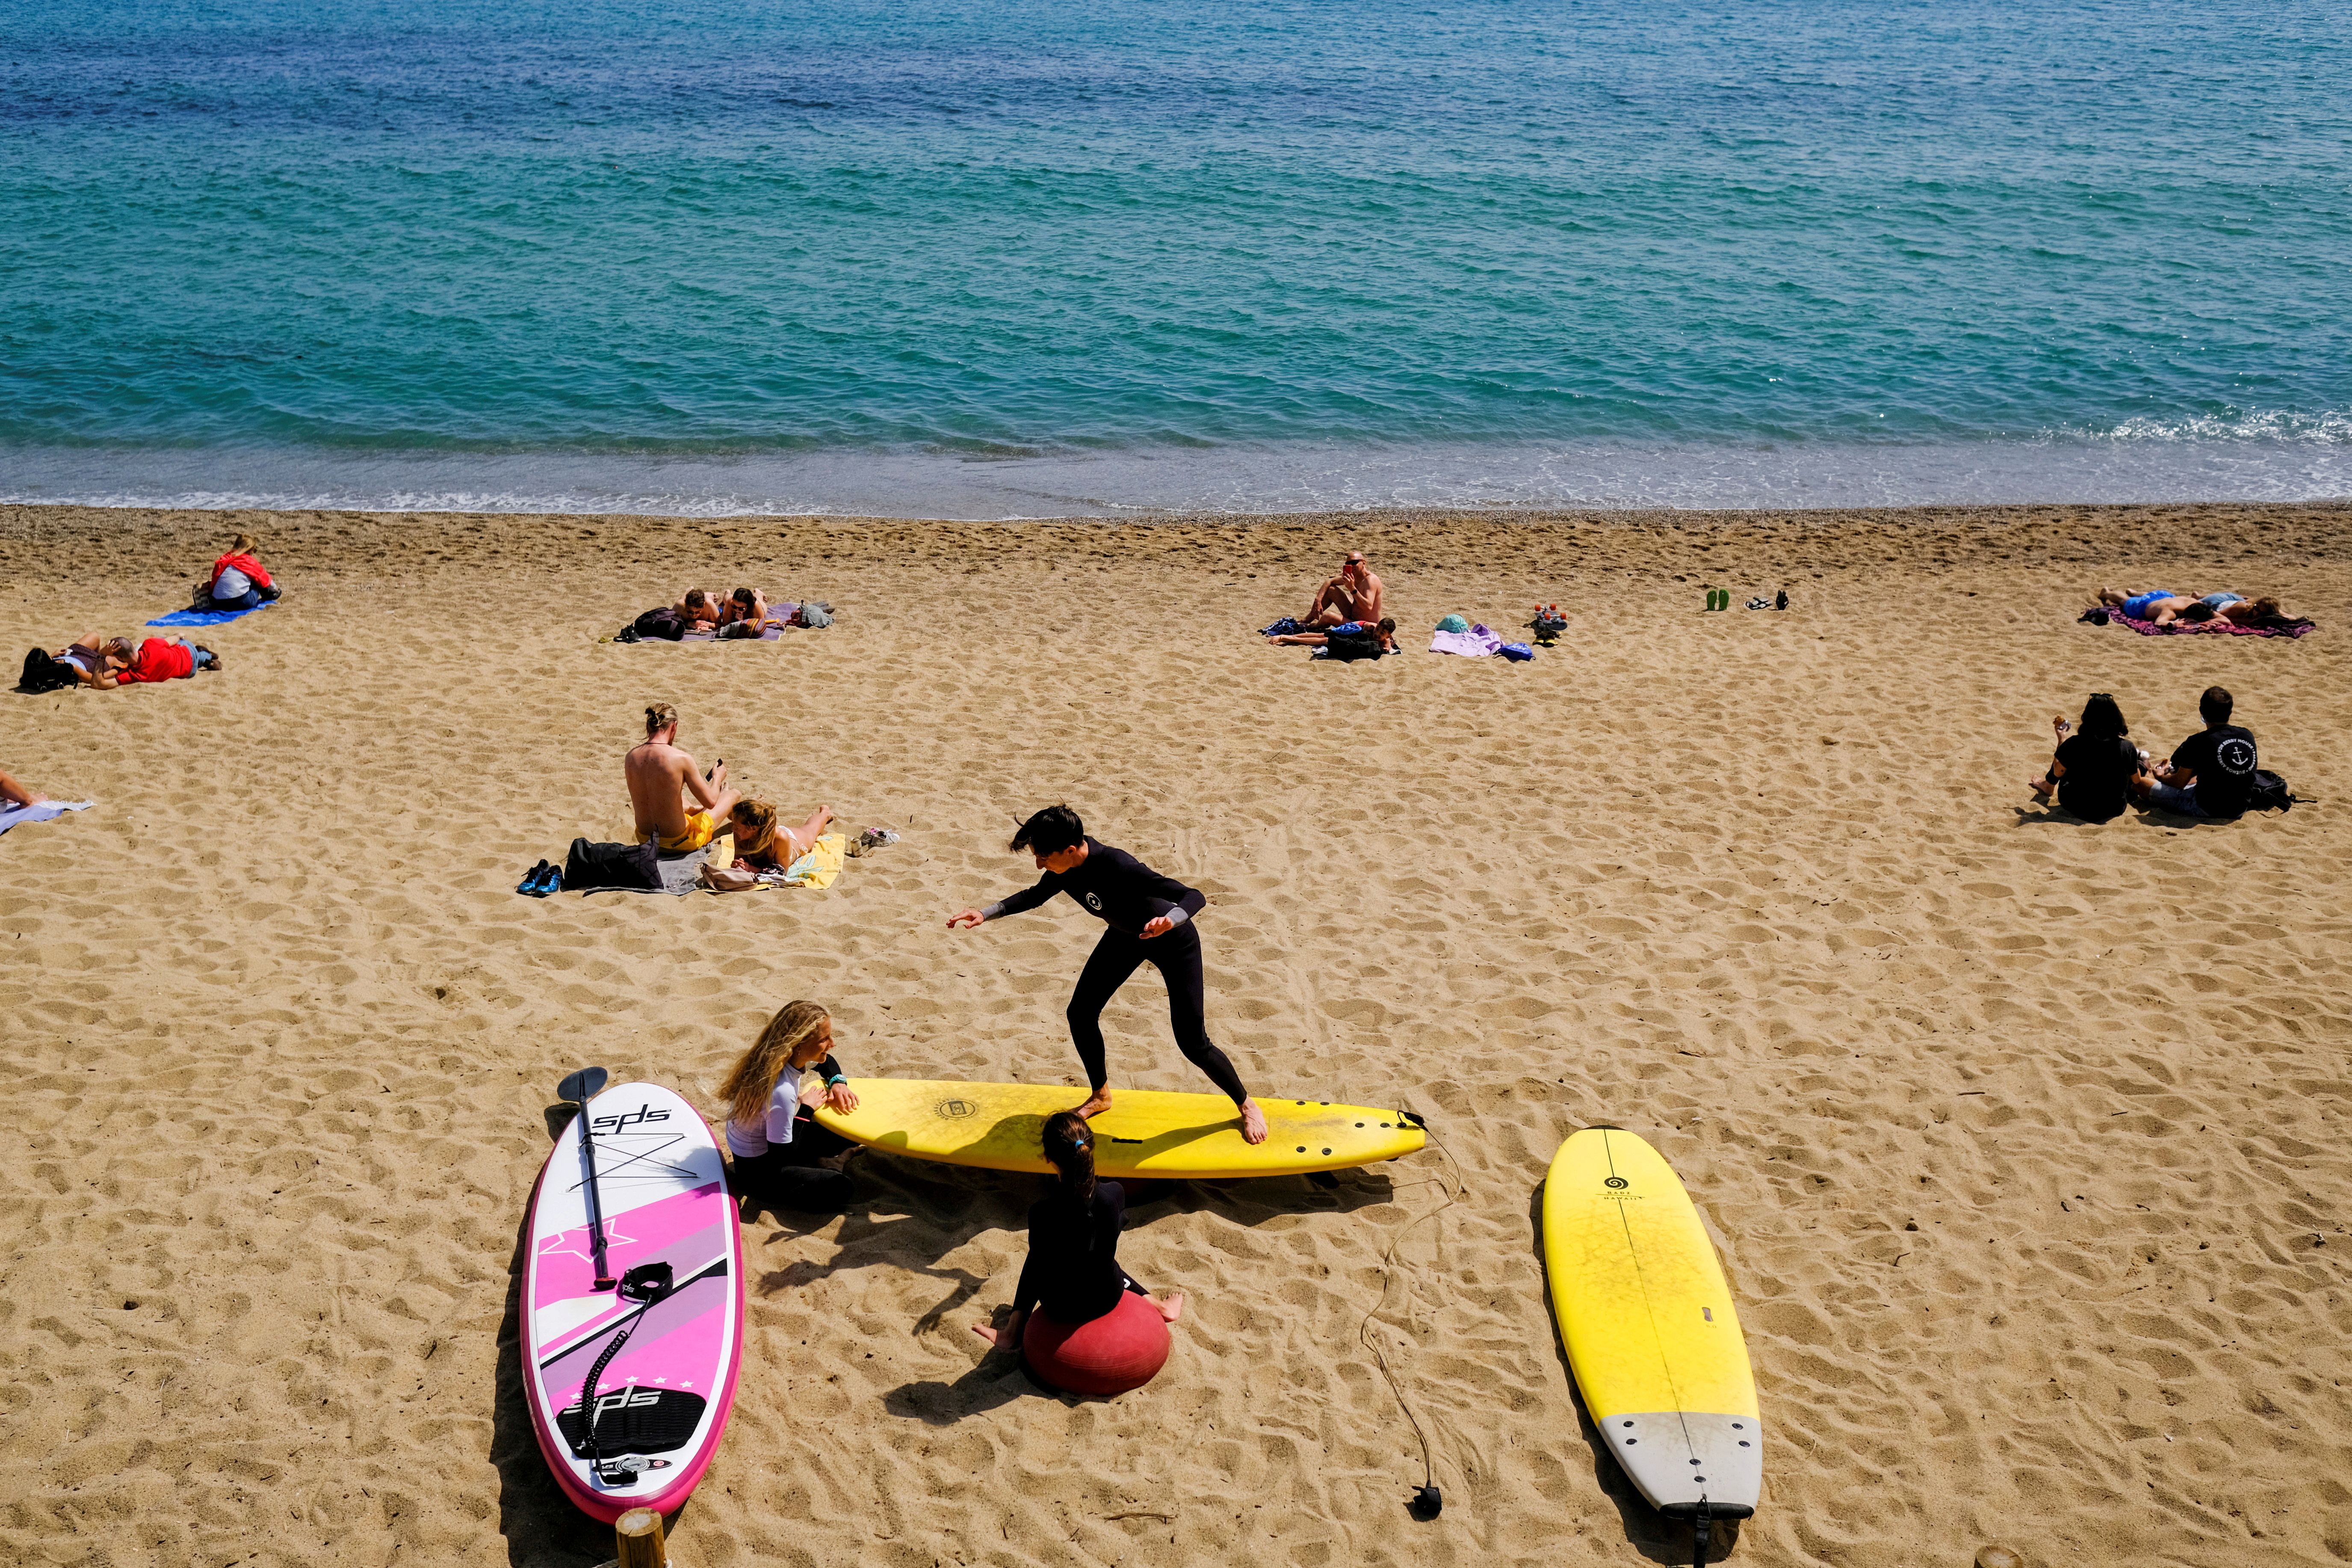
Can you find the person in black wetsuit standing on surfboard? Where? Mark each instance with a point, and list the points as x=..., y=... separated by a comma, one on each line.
x=1151, y=921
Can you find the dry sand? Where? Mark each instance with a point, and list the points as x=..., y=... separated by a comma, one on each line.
x=2023, y=1140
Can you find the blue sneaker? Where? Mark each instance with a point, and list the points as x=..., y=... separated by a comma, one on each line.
x=531, y=878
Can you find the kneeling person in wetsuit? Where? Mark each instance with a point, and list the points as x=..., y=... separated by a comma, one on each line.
x=1151, y=921
x=1073, y=1274
x=782, y=1157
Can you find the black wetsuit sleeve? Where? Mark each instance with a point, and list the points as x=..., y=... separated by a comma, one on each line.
x=1039, y=1268
x=829, y=1070
x=1151, y=884
x=1027, y=899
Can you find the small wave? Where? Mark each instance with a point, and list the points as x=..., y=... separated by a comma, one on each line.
x=2332, y=429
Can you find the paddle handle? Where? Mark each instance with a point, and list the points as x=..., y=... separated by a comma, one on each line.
x=604, y=1280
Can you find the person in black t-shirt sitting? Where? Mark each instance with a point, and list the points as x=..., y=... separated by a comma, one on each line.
x=2094, y=768
x=1073, y=1274
x=2212, y=773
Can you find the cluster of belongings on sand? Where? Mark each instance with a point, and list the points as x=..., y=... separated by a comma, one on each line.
x=1456, y=636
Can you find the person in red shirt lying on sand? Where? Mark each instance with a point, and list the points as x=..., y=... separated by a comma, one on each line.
x=156, y=660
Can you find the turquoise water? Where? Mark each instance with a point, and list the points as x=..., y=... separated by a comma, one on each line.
x=1020, y=260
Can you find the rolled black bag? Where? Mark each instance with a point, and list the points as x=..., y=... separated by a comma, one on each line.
x=665, y=623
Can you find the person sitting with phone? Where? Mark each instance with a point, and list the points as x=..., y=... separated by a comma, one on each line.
x=2094, y=768
x=656, y=770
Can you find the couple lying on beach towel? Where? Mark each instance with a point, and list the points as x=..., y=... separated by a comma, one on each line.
x=2158, y=612
x=700, y=616
x=105, y=663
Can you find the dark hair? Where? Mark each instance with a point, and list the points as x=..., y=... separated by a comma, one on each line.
x=2200, y=610
x=2102, y=720
x=1070, y=1145
x=696, y=598
x=1388, y=625
x=2215, y=705
x=744, y=596
x=1051, y=831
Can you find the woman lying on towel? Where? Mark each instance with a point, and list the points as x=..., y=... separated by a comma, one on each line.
x=782, y=1157
x=761, y=845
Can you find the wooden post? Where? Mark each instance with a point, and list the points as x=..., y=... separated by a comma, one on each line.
x=637, y=1537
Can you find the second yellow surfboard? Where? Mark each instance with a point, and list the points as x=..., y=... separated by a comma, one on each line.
x=1651, y=1330
x=1146, y=1132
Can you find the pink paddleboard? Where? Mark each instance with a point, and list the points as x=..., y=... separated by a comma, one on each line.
x=661, y=1401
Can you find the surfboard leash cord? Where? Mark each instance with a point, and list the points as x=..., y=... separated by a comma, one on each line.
x=1427, y=1499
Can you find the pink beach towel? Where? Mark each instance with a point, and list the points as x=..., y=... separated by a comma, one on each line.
x=2206, y=628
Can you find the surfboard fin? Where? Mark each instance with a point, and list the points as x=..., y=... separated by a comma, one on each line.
x=1702, y=1531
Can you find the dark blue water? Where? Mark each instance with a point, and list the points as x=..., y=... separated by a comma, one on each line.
x=1021, y=259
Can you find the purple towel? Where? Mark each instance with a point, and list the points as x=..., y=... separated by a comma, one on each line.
x=1475, y=642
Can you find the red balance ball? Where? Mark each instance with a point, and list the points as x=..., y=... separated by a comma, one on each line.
x=1124, y=1349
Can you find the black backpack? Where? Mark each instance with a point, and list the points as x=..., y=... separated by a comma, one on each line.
x=1348, y=647
x=43, y=673
x=665, y=623
x=2270, y=793
x=634, y=867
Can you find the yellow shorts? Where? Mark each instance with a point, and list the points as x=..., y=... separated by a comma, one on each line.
x=700, y=830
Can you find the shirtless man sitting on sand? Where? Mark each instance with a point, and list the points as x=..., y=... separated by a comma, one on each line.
x=656, y=771
x=1353, y=595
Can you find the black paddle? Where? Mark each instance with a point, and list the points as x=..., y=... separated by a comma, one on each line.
x=579, y=1089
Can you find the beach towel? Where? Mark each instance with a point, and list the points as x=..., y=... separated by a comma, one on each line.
x=2208, y=628
x=820, y=867
x=40, y=811
x=1475, y=642
x=205, y=617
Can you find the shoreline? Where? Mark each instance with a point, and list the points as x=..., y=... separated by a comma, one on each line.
x=2022, y=1140
x=1008, y=483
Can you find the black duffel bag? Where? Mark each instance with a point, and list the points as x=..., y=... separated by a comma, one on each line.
x=633, y=867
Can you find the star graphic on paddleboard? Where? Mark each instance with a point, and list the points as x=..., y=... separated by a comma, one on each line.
x=557, y=1243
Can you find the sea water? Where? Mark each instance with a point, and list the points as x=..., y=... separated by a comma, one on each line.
x=1024, y=258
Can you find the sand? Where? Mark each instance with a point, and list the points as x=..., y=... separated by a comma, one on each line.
x=2023, y=1140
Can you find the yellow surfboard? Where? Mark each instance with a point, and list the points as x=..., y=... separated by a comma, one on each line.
x=1146, y=1132
x=1649, y=1326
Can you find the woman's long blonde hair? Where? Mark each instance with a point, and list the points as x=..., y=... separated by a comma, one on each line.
x=755, y=834
x=244, y=545
x=747, y=1087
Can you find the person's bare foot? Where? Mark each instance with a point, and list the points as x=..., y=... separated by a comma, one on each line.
x=1096, y=1103
x=840, y=1162
x=1252, y=1122
x=1171, y=1305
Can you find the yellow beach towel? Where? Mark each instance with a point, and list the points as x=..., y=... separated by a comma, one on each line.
x=821, y=867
